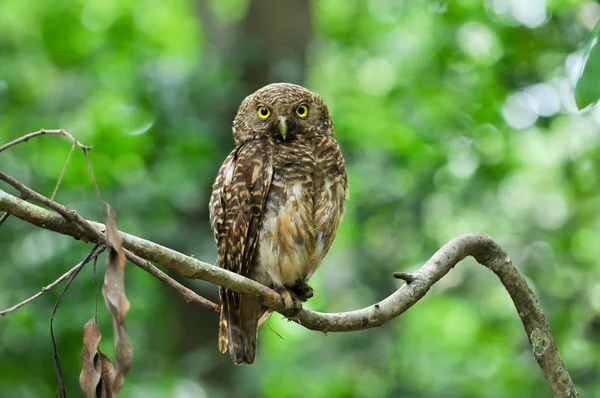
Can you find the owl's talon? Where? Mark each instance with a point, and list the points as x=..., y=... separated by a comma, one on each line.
x=292, y=303
x=303, y=291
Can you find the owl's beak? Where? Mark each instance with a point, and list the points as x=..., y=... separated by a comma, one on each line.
x=283, y=127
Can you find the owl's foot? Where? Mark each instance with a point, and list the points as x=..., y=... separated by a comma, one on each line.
x=303, y=291
x=292, y=303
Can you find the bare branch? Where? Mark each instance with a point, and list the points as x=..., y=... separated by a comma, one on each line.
x=62, y=132
x=69, y=214
x=488, y=253
x=185, y=265
x=4, y=217
x=90, y=232
x=480, y=246
x=188, y=295
x=45, y=289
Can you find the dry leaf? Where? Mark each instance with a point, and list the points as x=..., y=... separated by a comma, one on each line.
x=91, y=367
x=114, y=296
x=108, y=378
x=97, y=372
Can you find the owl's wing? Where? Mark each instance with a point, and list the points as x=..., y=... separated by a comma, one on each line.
x=217, y=201
x=331, y=182
x=236, y=205
x=236, y=208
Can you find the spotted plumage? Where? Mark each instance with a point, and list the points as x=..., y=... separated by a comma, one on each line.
x=276, y=203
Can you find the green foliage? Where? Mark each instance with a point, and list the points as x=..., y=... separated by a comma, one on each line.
x=587, y=90
x=453, y=116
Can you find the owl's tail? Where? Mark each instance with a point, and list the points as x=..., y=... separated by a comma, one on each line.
x=238, y=326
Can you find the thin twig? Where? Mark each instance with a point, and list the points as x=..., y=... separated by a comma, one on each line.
x=271, y=328
x=62, y=172
x=45, y=289
x=4, y=217
x=62, y=132
x=61, y=390
x=188, y=295
x=96, y=289
x=89, y=167
x=69, y=214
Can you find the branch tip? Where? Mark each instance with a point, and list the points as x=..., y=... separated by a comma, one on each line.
x=62, y=132
x=407, y=277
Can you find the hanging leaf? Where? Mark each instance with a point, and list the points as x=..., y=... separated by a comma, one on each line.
x=107, y=379
x=97, y=372
x=61, y=391
x=91, y=366
x=114, y=296
x=587, y=90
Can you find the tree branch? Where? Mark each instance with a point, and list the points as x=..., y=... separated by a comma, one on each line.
x=480, y=246
x=185, y=265
x=45, y=289
x=26, y=137
x=90, y=232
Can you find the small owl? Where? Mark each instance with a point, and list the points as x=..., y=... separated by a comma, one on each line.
x=276, y=205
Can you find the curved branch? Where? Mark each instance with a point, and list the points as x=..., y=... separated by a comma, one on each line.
x=480, y=246
x=26, y=137
x=487, y=253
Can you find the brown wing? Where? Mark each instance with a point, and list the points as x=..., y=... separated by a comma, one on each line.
x=236, y=209
x=331, y=181
x=217, y=223
x=216, y=204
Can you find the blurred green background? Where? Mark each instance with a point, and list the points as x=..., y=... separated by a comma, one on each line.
x=454, y=117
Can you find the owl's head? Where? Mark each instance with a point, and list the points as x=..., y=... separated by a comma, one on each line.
x=283, y=112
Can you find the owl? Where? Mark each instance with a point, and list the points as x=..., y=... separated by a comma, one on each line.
x=275, y=206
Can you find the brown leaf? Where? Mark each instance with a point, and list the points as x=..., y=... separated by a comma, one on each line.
x=108, y=378
x=91, y=366
x=116, y=301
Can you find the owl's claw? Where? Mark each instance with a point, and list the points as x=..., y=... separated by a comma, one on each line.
x=303, y=291
x=292, y=303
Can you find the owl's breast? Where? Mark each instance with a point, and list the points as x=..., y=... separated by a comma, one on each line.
x=287, y=235
x=302, y=211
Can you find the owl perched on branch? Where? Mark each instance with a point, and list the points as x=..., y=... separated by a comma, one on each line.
x=276, y=205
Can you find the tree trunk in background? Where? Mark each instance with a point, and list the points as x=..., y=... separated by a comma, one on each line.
x=268, y=45
x=273, y=42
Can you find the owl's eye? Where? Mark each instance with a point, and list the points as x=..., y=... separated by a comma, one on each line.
x=302, y=111
x=263, y=112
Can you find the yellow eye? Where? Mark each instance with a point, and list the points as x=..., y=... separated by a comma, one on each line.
x=263, y=112
x=302, y=111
